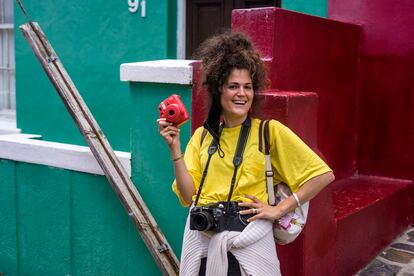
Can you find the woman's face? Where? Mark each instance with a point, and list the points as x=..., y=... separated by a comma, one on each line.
x=237, y=97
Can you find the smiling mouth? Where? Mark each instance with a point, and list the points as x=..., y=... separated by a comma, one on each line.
x=239, y=102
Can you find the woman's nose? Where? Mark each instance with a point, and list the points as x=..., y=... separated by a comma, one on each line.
x=241, y=90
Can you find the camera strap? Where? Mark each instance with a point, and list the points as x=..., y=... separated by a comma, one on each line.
x=237, y=160
x=211, y=150
x=238, y=157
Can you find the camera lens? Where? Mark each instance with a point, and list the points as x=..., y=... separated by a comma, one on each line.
x=202, y=221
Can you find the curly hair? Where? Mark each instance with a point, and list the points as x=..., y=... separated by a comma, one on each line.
x=221, y=54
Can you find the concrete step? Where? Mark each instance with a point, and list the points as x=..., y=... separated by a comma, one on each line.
x=369, y=212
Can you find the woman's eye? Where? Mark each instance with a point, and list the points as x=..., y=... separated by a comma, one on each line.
x=248, y=87
x=232, y=87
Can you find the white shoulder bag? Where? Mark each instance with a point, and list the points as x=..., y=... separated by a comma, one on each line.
x=287, y=228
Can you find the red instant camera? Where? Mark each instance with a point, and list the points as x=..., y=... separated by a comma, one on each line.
x=173, y=109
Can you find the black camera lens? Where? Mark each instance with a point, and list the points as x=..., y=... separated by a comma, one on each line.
x=202, y=221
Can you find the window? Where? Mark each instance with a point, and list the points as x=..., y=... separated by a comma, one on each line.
x=7, y=63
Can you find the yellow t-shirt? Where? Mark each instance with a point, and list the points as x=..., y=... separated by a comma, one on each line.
x=293, y=161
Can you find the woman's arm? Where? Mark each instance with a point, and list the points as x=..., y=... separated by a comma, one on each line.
x=184, y=180
x=308, y=191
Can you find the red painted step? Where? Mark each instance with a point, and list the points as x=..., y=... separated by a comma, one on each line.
x=369, y=212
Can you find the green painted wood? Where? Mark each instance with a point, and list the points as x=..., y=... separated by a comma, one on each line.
x=43, y=209
x=68, y=223
x=8, y=224
x=152, y=170
x=92, y=39
x=104, y=241
x=313, y=7
x=172, y=29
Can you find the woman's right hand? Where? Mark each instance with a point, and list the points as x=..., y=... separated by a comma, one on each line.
x=170, y=133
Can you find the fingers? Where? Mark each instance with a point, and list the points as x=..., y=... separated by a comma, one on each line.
x=255, y=204
x=250, y=204
x=162, y=123
x=257, y=214
x=261, y=213
x=165, y=127
x=252, y=211
x=258, y=210
x=168, y=131
x=255, y=199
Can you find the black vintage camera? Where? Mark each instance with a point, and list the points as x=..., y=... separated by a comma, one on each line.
x=216, y=217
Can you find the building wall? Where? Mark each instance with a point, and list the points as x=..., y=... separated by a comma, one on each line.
x=92, y=39
x=385, y=130
x=58, y=221
x=151, y=165
x=313, y=7
x=62, y=222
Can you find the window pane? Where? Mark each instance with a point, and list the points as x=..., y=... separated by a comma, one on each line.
x=7, y=65
x=6, y=11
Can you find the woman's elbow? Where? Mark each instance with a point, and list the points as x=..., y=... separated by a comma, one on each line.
x=330, y=177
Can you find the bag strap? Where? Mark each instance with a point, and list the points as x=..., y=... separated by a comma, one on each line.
x=269, y=169
x=264, y=133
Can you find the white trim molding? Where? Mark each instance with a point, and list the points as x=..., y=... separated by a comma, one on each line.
x=181, y=31
x=158, y=71
x=6, y=26
x=20, y=147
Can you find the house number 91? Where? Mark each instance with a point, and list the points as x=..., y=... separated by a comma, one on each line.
x=134, y=5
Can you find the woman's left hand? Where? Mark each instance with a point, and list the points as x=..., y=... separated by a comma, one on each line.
x=260, y=209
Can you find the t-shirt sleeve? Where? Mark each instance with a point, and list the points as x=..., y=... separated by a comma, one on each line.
x=294, y=161
x=192, y=162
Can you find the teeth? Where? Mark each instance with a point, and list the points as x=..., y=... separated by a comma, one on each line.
x=239, y=102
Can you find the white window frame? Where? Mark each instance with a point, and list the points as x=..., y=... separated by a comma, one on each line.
x=181, y=29
x=7, y=69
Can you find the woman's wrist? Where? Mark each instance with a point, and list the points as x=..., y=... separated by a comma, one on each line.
x=176, y=154
x=179, y=157
x=277, y=212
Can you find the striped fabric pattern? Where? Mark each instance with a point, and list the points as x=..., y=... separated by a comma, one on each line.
x=254, y=248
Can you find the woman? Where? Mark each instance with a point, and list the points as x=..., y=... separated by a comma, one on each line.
x=233, y=73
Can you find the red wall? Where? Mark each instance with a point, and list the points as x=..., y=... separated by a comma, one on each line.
x=386, y=126
x=364, y=84
x=309, y=53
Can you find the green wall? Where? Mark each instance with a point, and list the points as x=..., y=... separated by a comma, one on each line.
x=8, y=218
x=60, y=222
x=313, y=7
x=152, y=168
x=92, y=39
